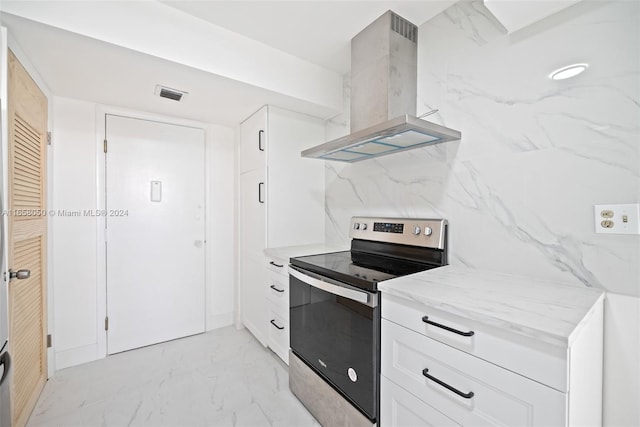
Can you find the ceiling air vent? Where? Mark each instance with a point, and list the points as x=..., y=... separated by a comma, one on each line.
x=166, y=92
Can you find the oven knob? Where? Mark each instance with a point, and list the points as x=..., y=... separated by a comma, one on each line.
x=363, y=226
x=416, y=230
x=428, y=231
x=356, y=226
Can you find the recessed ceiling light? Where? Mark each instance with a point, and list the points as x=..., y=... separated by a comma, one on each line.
x=568, y=71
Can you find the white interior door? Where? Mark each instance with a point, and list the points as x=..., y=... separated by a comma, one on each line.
x=155, y=215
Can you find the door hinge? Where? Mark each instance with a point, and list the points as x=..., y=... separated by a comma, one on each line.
x=106, y=323
x=105, y=145
x=48, y=138
x=49, y=341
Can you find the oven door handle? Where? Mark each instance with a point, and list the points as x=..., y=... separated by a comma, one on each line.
x=352, y=294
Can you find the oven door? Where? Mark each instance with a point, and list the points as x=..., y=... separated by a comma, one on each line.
x=335, y=329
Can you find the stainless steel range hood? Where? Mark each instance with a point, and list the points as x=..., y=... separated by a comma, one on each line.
x=383, y=96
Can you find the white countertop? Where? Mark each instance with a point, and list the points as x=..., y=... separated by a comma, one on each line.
x=285, y=252
x=545, y=310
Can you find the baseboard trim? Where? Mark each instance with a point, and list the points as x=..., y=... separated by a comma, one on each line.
x=89, y=353
x=216, y=321
x=76, y=356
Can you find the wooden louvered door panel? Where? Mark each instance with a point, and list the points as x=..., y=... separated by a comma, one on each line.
x=27, y=240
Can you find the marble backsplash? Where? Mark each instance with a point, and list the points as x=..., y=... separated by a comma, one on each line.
x=518, y=190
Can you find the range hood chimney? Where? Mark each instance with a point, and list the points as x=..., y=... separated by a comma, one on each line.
x=383, y=96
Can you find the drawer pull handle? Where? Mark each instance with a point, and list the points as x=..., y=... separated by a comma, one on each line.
x=469, y=395
x=425, y=319
x=273, y=322
x=276, y=265
x=276, y=289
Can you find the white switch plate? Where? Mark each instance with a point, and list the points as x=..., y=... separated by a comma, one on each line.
x=156, y=191
x=625, y=219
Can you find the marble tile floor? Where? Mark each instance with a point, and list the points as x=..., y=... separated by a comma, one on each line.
x=219, y=378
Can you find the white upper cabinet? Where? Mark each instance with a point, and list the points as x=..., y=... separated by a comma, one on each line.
x=253, y=140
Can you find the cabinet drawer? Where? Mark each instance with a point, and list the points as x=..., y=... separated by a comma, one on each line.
x=277, y=266
x=533, y=359
x=278, y=291
x=278, y=333
x=399, y=408
x=465, y=388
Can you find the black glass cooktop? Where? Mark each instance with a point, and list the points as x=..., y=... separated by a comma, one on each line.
x=359, y=269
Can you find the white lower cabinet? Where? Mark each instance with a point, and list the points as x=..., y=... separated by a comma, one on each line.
x=469, y=390
x=401, y=408
x=278, y=334
x=278, y=316
x=439, y=368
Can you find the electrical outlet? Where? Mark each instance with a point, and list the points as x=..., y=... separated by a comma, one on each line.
x=617, y=219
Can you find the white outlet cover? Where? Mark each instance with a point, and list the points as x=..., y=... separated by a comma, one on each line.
x=630, y=211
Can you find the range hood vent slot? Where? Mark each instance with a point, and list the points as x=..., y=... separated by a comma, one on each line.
x=405, y=28
x=384, y=68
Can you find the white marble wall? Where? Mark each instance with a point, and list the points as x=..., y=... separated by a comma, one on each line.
x=536, y=154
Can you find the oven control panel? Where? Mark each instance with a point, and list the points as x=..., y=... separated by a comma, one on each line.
x=388, y=227
x=428, y=233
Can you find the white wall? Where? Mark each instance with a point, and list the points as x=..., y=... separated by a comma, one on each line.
x=75, y=238
x=221, y=247
x=622, y=361
x=78, y=273
x=535, y=156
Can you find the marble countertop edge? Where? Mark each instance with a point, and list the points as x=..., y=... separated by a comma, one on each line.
x=518, y=304
x=284, y=253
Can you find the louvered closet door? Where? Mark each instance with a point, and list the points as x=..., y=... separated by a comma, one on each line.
x=27, y=240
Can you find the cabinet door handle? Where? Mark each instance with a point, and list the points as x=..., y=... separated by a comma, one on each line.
x=276, y=265
x=276, y=289
x=5, y=361
x=273, y=322
x=425, y=319
x=469, y=395
x=260, y=198
x=260, y=134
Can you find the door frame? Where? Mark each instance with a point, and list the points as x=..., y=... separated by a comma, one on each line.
x=101, y=294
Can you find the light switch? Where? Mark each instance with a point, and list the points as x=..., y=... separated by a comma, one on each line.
x=156, y=191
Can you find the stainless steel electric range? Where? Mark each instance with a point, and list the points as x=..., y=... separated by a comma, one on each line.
x=335, y=314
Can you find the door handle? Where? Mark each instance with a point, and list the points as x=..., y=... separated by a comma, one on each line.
x=5, y=360
x=260, y=198
x=260, y=146
x=20, y=274
x=352, y=294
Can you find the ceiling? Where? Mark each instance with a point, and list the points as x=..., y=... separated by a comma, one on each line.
x=95, y=70
x=318, y=31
